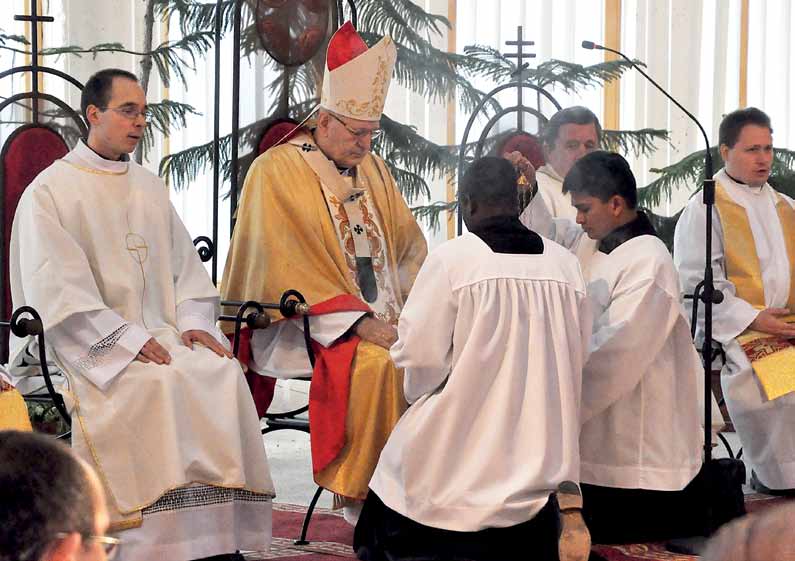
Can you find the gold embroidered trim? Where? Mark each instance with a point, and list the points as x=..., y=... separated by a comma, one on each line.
x=375, y=105
x=96, y=171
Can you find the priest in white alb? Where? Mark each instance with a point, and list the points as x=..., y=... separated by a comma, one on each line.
x=161, y=409
x=753, y=263
x=570, y=134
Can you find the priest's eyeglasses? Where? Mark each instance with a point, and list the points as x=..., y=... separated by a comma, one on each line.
x=108, y=543
x=360, y=133
x=131, y=112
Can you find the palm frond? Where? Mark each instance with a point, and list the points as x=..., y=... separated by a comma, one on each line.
x=164, y=117
x=637, y=142
x=572, y=77
x=412, y=185
x=431, y=214
x=6, y=38
x=689, y=171
x=195, y=16
x=399, y=19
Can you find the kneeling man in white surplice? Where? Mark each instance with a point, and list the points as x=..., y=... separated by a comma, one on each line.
x=161, y=409
x=492, y=338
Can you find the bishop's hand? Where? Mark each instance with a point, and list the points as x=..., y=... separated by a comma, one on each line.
x=376, y=331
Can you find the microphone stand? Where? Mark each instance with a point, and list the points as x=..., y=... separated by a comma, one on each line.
x=709, y=295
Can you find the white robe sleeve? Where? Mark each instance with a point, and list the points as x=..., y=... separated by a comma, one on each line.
x=627, y=338
x=732, y=316
x=425, y=331
x=536, y=216
x=191, y=280
x=201, y=314
x=280, y=350
x=97, y=344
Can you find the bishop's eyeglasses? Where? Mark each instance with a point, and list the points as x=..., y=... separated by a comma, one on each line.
x=360, y=133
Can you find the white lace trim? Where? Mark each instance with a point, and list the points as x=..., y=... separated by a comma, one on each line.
x=99, y=351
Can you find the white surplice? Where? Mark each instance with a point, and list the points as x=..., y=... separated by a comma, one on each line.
x=98, y=250
x=643, y=385
x=765, y=427
x=492, y=346
x=550, y=189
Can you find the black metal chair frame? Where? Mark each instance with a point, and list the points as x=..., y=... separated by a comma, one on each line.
x=292, y=303
x=24, y=327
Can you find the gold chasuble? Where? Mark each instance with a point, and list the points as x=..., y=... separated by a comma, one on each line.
x=288, y=237
x=772, y=357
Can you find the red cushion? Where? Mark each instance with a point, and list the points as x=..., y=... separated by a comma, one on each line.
x=279, y=131
x=27, y=152
x=527, y=144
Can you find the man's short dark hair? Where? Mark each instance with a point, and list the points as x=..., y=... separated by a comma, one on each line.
x=576, y=115
x=602, y=175
x=732, y=124
x=491, y=181
x=44, y=490
x=97, y=89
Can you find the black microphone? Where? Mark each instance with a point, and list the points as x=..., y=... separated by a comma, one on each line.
x=590, y=45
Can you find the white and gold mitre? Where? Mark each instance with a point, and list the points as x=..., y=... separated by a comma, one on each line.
x=357, y=79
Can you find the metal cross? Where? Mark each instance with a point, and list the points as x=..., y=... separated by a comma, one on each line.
x=521, y=66
x=34, y=18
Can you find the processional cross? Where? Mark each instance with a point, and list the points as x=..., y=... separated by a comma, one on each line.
x=520, y=55
x=34, y=18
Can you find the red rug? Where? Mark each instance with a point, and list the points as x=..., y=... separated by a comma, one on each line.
x=331, y=537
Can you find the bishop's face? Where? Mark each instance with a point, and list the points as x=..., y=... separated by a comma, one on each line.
x=344, y=140
x=750, y=159
x=117, y=128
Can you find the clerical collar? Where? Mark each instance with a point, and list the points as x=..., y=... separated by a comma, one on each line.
x=94, y=160
x=737, y=181
x=640, y=226
x=346, y=172
x=757, y=189
x=506, y=234
x=550, y=171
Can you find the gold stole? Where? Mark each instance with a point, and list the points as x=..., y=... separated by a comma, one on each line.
x=772, y=357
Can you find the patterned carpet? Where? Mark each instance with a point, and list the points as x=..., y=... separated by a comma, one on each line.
x=331, y=537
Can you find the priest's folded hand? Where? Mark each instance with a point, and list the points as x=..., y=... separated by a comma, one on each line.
x=767, y=321
x=152, y=351
x=376, y=331
x=202, y=337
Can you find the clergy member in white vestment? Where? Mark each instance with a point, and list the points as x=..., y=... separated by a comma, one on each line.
x=492, y=339
x=753, y=262
x=162, y=411
x=569, y=135
x=641, y=433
